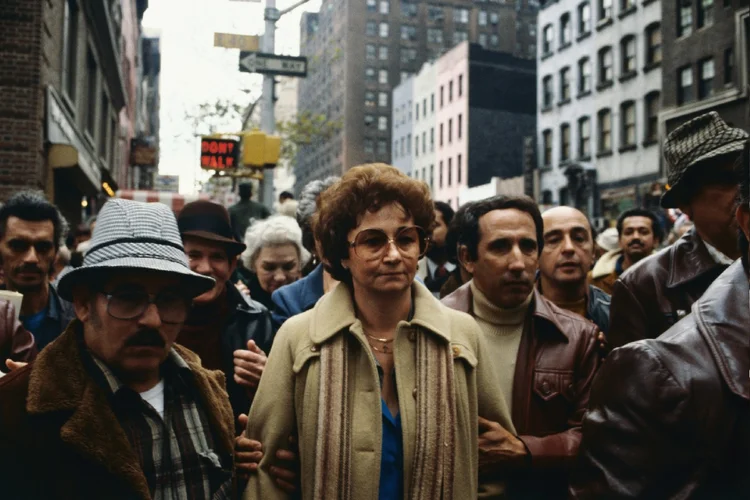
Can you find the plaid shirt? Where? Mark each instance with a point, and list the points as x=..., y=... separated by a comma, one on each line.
x=175, y=453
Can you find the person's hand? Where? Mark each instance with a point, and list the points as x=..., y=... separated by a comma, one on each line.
x=249, y=365
x=242, y=288
x=498, y=446
x=285, y=474
x=14, y=365
x=603, y=344
x=247, y=452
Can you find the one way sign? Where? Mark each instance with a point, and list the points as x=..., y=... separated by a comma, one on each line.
x=272, y=64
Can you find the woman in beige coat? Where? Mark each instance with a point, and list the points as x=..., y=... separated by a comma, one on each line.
x=379, y=381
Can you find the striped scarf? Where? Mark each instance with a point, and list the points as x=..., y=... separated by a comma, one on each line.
x=433, y=466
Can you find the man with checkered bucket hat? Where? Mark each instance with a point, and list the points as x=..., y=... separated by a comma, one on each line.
x=702, y=158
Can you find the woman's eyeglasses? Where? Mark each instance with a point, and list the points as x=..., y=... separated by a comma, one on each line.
x=372, y=244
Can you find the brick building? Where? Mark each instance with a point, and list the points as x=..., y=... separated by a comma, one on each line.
x=61, y=94
x=706, y=66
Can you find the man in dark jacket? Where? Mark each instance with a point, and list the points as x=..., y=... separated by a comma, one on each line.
x=545, y=358
x=227, y=330
x=657, y=292
x=564, y=265
x=245, y=210
x=668, y=416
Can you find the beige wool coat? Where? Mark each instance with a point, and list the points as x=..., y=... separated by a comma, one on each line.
x=286, y=402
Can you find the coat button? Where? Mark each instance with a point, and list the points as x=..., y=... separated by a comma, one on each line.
x=412, y=335
x=456, y=351
x=314, y=348
x=545, y=389
x=414, y=393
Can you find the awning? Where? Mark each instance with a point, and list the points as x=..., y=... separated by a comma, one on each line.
x=174, y=201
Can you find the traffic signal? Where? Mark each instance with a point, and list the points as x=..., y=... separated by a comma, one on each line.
x=260, y=150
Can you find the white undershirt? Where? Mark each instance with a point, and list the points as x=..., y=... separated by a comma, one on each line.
x=155, y=397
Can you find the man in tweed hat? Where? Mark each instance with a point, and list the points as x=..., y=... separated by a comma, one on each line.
x=114, y=408
x=702, y=157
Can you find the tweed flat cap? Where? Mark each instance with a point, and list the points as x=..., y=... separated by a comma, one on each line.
x=131, y=235
x=700, y=139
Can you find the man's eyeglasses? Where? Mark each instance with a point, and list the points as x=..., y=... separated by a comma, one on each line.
x=132, y=303
x=372, y=244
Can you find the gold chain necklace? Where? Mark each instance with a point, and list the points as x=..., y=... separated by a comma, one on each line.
x=384, y=349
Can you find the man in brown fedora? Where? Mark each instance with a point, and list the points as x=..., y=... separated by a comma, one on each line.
x=702, y=158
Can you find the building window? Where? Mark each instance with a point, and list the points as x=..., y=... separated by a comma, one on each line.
x=408, y=144
x=369, y=99
x=627, y=46
x=494, y=18
x=685, y=85
x=71, y=47
x=450, y=131
x=424, y=142
x=584, y=18
x=606, y=71
x=584, y=75
x=434, y=13
x=384, y=6
x=435, y=35
x=460, y=36
x=441, y=135
x=652, y=118
x=371, y=28
x=370, y=74
x=461, y=16
x=370, y=51
x=372, y=5
x=432, y=139
x=564, y=142
x=441, y=97
x=395, y=149
x=383, y=99
x=450, y=172
x=416, y=146
x=460, y=85
x=450, y=91
x=494, y=40
x=605, y=9
x=627, y=113
x=706, y=78
x=729, y=66
x=383, y=53
x=653, y=44
x=383, y=76
x=549, y=39
x=368, y=146
x=482, y=18
x=416, y=112
x=482, y=40
x=565, y=30
x=369, y=120
x=459, y=167
x=383, y=123
x=705, y=13
x=408, y=32
x=408, y=55
x=626, y=5
x=684, y=17
x=92, y=72
x=584, y=138
x=459, y=131
x=441, y=175
x=547, y=92
x=432, y=176
x=605, y=131
x=565, y=84
x=432, y=103
x=409, y=9
x=383, y=30
x=547, y=148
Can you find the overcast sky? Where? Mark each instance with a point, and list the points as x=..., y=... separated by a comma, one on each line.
x=193, y=71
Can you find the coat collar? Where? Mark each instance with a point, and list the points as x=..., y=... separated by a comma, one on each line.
x=311, y=288
x=335, y=312
x=59, y=382
x=721, y=315
x=690, y=260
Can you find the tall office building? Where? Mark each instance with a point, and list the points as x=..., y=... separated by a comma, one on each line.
x=359, y=50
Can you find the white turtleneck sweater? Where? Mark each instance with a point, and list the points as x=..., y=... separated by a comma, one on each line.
x=502, y=330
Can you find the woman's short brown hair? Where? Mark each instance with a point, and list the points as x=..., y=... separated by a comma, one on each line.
x=361, y=189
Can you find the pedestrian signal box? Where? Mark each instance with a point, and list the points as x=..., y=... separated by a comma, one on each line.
x=260, y=150
x=219, y=154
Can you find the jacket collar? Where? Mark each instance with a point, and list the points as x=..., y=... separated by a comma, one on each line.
x=335, y=312
x=311, y=288
x=690, y=260
x=60, y=382
x=721, y=315
x=463, y=300
x=607, y=264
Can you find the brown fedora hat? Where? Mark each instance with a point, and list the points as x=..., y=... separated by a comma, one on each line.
x=691, y=144
x=209, y=221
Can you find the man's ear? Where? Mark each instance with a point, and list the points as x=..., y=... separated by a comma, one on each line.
x=82, y=303
x=743, y=219
x=465, y=259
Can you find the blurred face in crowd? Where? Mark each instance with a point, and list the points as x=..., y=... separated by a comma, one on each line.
x=637, y=239
x=711, y=210
x=209, y=258
x=277, y=265
x=386, y=251
x=440, y=230
x=129, y=334
x=507, y=257
x=568, y=247
x=28, y=252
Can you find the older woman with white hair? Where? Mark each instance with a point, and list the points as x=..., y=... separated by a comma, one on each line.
x=274, y=256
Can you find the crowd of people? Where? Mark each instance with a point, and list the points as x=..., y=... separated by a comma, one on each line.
x=366, y=341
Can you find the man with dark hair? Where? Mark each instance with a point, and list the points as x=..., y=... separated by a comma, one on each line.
x=639, y=233
x=650, y=297
x=284, y=196
x=545, y=358
x=435, y=268
x=667, y=417
x=453, y=242
x=31, y=229
x=245, y=210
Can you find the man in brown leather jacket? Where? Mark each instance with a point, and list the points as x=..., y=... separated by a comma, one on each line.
x=668, y=416
x=657, y=292
x=545, y=357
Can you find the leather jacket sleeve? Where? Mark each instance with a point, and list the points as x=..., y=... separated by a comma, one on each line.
x=636, y=441
x=560, y=449
x=16, y=342
x=628, y=321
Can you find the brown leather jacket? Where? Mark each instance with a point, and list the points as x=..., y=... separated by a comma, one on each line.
x=657, y=292
x=16, y=342
x=556, y=364
x=669, y=417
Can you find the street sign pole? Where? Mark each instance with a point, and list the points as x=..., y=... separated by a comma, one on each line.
x=268, y=117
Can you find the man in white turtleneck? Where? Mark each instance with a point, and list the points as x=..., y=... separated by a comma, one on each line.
x=545, y=358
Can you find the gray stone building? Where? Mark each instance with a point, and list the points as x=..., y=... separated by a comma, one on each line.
x=359, y=50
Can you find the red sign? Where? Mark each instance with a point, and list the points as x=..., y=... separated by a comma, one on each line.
x=218, y=154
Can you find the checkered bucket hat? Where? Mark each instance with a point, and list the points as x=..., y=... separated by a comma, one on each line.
x=131, y=235
x=700, y=139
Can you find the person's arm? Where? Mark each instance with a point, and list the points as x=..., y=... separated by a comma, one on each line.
x=561, y=449
x=16, y=343
x=628, y=321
